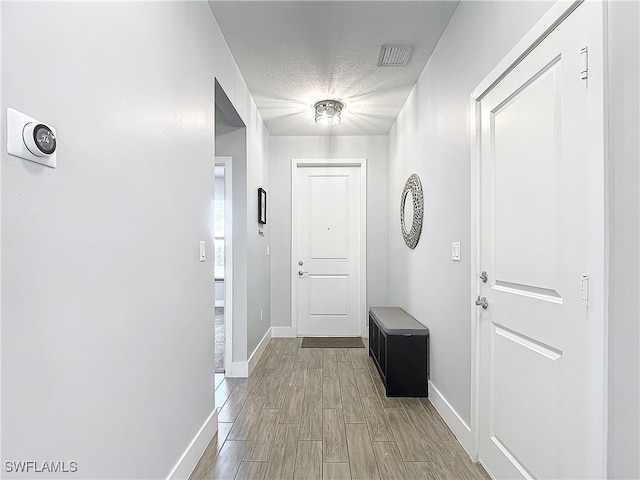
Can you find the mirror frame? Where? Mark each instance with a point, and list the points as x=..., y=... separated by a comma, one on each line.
x=414, y=186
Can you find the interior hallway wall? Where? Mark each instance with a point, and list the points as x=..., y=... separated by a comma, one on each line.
x=258, y=263
x=624, y=240
x=251, y=290
x=431, y=137
x=233, y=143
x=282, y=151
x=107, y=314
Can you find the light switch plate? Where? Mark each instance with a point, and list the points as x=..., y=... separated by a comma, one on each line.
x=455, y=251
x=15, y=144
x=202, y=251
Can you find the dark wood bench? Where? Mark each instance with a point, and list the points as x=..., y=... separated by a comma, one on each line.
x=399, y=346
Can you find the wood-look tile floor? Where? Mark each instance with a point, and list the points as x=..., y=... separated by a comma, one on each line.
x=323, y=414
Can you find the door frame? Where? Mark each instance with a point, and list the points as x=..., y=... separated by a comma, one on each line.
x=598, y=261
x=329, y=163
x=227, y=163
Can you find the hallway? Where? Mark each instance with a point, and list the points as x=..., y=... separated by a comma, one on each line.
x=320, y=413
x=109, y=260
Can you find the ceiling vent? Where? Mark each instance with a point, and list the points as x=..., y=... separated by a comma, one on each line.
x=394, y=55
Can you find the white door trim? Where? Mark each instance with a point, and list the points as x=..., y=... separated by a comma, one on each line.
x=549, y=21
x=600, y=259
x=329, y=162
x=227, y=163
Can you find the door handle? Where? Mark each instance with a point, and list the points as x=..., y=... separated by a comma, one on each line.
x=301, y=273
x=482, y=302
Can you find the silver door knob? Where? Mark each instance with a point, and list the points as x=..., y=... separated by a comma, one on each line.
x=301, y=273
x=482, y=302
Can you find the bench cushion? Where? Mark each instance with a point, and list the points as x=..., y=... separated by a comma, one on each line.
x=394, y=320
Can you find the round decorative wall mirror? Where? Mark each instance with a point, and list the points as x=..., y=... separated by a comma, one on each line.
x=411, y=211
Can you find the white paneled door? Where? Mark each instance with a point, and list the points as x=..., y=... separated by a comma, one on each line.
x=329, y=241
x=541, y=245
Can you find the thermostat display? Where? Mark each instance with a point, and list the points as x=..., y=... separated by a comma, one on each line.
x=39, y=139
x=45, y=139
x=31, y=139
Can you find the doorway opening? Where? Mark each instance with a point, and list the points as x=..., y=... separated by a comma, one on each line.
x=223, y=266
x=230, y=156
x=219, y=266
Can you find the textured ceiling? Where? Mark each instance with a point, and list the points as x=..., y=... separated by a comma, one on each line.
x=295, y=53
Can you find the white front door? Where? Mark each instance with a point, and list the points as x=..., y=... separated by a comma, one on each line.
x=541, y=230
x=329, y=241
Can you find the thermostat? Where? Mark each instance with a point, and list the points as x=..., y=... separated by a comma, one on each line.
x=31, y=139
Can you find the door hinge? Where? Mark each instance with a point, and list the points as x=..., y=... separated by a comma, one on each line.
x=584, y=287
x=584, y=73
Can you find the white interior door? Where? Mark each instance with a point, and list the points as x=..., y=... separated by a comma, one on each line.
x=541, y=229
x=329, y=250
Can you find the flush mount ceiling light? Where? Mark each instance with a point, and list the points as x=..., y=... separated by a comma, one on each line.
x=328, y=112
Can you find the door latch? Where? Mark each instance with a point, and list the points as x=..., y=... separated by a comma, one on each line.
x=484, y=277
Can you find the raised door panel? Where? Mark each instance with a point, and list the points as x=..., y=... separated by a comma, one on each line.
x=329, y=209
x=526, y=136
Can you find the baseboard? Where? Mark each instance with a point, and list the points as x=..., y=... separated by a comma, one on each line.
x=257, y=353
x=282, y=332
x=196, y=448
x=238, y=370
x=460, y=429
x=244, y=369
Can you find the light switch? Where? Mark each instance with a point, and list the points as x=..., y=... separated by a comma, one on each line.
x=268, y=251
x=455, y=251
x=202, y=251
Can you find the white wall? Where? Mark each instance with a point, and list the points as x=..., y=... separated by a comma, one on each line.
x=234, y=144
x=258, y=263
x=282, y=150
x=107, y=315
x=251, y=290
x=431, y=137
x=624, y=238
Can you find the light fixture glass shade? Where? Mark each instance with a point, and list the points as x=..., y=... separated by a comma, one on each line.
x=328, y=112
